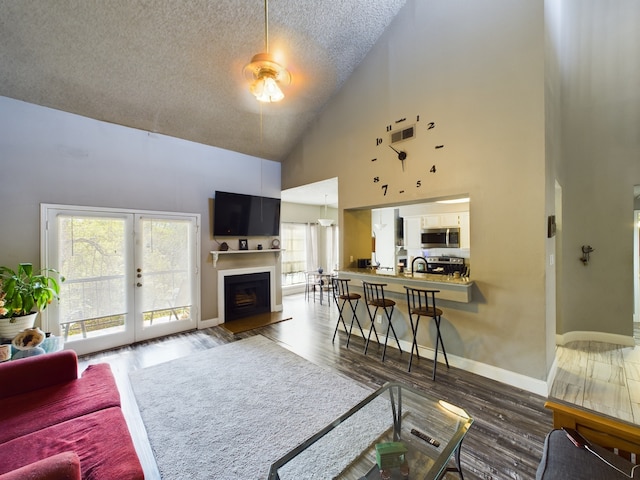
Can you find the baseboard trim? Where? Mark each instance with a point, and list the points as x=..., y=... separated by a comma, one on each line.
x=589, y=336
x=552, y=372
x=212, y=322
x=533, y=385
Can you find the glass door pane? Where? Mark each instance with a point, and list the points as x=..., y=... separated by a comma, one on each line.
x=165, y=269
x=93, y=255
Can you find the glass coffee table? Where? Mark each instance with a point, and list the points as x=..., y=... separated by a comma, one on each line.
x=396, y=426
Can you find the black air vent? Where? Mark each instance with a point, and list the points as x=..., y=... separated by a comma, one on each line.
x=404, y=134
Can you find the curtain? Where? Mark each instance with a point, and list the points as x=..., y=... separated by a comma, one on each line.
x=312, y=247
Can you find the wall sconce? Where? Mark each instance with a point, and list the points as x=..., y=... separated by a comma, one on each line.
x=586, y=250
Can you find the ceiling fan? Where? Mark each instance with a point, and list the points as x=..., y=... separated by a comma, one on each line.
x=264, y=72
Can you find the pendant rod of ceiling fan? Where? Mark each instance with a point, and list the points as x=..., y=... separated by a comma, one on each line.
x=266, y=25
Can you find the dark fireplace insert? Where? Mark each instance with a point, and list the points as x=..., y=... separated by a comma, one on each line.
x=246, y=295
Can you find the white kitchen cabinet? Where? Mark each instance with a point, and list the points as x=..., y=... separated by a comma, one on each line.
x=441, y=220
x=465, y=233
x=412, y=228
x=450, y=220
x=431, y=221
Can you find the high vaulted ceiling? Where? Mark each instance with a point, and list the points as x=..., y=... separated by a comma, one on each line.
x=175, y=66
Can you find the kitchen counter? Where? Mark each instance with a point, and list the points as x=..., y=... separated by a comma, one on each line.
x=452, y=289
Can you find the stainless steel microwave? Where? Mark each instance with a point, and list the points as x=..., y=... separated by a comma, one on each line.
x=440, y=238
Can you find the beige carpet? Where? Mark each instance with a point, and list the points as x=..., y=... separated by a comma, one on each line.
x=229, y=412
x=249, y=323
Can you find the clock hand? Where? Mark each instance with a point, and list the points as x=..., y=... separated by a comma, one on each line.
x=401, y=155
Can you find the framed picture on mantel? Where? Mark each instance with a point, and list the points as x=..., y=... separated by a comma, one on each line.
x=244, y=244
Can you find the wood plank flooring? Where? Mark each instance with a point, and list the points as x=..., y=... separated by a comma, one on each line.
x=505, y=441
x=600, y=376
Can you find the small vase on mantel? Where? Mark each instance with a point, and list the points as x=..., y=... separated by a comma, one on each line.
x=9, y=329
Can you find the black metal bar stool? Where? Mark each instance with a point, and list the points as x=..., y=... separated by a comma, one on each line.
x=422, y=303
x=374, y=298
x=342, y=296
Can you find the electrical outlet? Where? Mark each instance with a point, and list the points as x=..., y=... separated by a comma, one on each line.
x=379, y=319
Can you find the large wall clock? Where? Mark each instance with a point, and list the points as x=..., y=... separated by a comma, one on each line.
x=398, y=144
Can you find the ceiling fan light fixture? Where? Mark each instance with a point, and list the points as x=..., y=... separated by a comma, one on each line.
x=325, y=222
x=266, y=75
x=266, y=89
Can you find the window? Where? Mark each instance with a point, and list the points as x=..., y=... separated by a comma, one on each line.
x=294, y=257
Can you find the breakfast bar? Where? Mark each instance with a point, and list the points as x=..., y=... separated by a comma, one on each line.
x=450, y=288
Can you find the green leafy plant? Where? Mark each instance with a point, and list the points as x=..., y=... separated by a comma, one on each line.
x=24, y=291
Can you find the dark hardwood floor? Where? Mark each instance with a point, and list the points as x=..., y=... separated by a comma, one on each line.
x=505, y=441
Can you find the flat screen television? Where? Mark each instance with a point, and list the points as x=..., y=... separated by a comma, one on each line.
x=239, y=215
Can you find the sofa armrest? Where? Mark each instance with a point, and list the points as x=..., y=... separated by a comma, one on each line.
x=40, y=371
x=63, y=466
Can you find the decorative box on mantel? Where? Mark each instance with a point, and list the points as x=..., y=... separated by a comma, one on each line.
x=216, y=253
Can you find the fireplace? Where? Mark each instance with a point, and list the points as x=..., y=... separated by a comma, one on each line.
x=246, y=295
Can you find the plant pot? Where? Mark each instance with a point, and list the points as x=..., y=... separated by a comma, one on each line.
x=9, y=330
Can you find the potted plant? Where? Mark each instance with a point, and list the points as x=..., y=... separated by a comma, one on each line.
x=22, y=295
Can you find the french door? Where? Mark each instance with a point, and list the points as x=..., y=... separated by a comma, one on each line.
x=129, y=275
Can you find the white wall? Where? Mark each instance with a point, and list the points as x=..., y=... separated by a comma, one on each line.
x=298, y=213
x=49, y=156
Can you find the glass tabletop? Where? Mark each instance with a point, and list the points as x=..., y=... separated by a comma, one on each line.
x=397, y=427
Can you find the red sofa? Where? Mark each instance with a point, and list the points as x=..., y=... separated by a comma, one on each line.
x=56, y=425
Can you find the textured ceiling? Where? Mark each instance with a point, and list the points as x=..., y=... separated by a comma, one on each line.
x=175, y=66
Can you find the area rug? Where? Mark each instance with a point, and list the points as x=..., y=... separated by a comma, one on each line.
x=231, y=411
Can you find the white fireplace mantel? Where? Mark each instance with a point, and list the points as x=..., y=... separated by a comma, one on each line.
x=216, y=253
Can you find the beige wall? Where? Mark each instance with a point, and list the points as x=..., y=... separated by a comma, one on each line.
x=600, y=94
x=476, y=69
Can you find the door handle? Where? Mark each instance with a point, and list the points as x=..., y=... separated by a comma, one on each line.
x=138, y=284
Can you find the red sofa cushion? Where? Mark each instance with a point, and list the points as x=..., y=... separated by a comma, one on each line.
x=16, y=376
x=64, y=466
x=37, y=409
x=100, y=439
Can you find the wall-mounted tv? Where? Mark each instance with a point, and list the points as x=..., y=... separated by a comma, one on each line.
x=239, y=215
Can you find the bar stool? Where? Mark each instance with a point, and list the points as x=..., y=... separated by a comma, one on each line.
x=374, y=298
x=422, y=303
x=342, y=296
